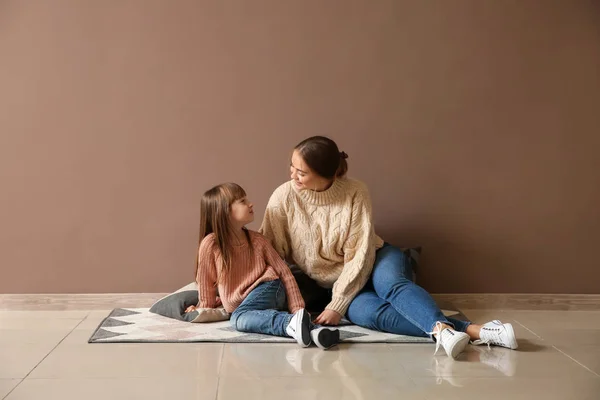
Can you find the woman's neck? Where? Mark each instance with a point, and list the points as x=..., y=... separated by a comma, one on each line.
x=331, y=194
x=323, y=186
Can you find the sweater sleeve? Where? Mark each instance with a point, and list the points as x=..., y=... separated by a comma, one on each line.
x=274, y=226
x=359, y=254
x=206, y=276
x=295, y=300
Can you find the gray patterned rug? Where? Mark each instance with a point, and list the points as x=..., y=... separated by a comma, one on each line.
x=138, y=325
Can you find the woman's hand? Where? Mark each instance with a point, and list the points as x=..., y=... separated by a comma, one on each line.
x=328, y=317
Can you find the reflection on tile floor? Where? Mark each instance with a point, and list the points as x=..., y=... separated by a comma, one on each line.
x=45, y=354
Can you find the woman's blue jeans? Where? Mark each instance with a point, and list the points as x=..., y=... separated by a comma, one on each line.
x=392, y=302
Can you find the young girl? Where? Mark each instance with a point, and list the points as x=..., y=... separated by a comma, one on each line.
x=252, y=280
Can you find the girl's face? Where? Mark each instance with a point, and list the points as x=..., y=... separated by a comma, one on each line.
x=242, y=212
x=305, y=178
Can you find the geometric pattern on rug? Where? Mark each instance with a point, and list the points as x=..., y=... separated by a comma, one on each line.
x=138, y=325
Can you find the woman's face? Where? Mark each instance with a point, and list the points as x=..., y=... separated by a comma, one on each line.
x=304, y=178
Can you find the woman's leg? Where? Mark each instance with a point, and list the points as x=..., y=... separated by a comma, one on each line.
x=259, y=313
x=392, y=281
x=371, y=311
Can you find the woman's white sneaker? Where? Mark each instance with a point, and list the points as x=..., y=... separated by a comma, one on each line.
x=498, y=334
x=452, y=341
x=299, y=327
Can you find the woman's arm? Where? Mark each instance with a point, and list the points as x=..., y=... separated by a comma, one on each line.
x=359, y=254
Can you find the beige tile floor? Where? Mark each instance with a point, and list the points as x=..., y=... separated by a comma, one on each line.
x=45, y=355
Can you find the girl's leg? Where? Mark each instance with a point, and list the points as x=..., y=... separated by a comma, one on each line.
x=259, y=313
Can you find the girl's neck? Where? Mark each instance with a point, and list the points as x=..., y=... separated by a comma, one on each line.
x=239, y=235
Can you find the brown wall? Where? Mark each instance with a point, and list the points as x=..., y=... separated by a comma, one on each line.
x=475, y=123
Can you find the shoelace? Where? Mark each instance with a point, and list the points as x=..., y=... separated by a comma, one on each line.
x=493, y=330
x=438, y=334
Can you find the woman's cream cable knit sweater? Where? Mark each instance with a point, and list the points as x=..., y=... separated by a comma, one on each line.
x=328, y=234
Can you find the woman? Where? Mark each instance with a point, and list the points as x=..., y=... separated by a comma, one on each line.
x=322, y=221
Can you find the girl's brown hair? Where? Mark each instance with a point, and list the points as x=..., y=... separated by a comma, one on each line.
x=323, y=156
x=215, y=211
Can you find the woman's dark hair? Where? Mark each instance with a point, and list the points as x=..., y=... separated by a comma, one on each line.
x=322, y=155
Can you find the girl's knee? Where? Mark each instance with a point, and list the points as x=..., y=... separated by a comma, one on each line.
x=234, y=319
x=281, y=299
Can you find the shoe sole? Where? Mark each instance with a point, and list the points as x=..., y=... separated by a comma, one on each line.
x=325, y=338
x=459, y=346
x=511, y=334
x=303, y=326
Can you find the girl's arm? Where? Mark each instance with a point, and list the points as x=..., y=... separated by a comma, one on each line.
x=295, y=300
x=207, y=274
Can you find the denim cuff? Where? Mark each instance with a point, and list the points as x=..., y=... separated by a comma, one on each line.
x=446, y=322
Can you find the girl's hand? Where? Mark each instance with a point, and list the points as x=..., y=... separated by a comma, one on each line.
x=328, y=317
x=190, y=309
x=193, y=308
